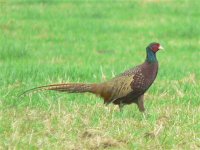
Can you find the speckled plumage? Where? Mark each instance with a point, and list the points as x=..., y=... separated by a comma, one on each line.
x=130, y=86
x=126, y=88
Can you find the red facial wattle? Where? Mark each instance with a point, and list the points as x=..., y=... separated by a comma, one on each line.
x=155, y=47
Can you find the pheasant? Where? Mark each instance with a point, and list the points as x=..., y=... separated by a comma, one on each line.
x=126, y=88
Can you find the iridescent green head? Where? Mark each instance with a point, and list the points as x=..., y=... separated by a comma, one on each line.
x=151, y=49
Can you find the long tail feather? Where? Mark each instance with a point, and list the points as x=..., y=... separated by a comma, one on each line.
x=63, y=87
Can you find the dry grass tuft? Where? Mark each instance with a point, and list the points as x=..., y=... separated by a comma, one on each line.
x=191, y=78
x=159, y=127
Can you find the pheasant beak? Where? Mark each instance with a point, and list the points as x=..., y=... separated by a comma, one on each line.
x=161, y=48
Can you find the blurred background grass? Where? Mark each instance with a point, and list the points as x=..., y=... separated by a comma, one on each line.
x=44, y=42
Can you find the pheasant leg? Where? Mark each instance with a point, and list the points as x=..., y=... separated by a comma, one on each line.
x=140, y=103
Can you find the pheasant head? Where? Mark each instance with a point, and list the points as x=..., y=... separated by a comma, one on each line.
x=151, y=50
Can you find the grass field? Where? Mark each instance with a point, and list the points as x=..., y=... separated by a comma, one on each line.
x=52, y=41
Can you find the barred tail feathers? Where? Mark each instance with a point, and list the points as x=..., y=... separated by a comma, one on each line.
x=64, y=87
x=72, y=87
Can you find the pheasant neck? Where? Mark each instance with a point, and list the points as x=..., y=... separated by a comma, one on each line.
x=151, y=56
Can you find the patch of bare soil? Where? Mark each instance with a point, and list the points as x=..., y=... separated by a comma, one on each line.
x=95, y=139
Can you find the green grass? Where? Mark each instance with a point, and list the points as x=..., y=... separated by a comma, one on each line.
x=43, y=42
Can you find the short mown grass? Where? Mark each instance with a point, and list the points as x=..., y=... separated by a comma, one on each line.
x=43, y=42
